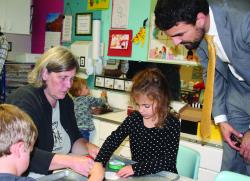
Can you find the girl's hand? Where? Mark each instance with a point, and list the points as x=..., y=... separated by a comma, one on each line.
x=126, y=171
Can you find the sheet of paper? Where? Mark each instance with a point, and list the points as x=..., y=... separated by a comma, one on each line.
x=52, y=39
x=67, y=28
x=120, y=14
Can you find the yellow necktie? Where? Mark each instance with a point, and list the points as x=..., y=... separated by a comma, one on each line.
x=208, y=94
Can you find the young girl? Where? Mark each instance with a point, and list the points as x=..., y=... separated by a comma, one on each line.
x=82, y=105
x=153, y=131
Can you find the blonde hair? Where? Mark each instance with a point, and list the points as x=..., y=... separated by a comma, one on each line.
x=57, y=59
x=15, y=126
x=77, y=86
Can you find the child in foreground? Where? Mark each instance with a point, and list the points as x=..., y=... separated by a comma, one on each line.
x=17, y=137
x=153, y=131
x=82, y=105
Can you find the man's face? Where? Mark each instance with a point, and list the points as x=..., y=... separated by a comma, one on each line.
x=186, y=34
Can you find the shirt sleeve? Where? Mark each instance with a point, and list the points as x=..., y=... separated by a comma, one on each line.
x=167, y=161
x=93, y=101
x=113, y=142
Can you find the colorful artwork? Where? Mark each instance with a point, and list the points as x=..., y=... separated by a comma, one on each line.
x=141, y=35
x=161, y=47
x=54, y=22
x=98, y=4
x=120, y=43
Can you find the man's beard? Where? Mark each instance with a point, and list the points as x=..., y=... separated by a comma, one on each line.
x=195, y=44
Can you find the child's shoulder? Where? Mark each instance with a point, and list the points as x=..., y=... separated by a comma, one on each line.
x=172, y=119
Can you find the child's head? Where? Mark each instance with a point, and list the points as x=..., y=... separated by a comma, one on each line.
x=151, y=86
x=79, y=87
x=17, y=135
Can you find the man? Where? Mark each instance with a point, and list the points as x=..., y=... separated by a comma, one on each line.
x=187, y=21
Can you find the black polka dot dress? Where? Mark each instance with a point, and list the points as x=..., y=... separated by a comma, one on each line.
x=154, y=149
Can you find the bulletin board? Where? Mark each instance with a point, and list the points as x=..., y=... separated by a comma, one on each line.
x=135, y=21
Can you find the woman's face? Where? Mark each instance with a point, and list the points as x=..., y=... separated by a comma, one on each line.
x=58, y=83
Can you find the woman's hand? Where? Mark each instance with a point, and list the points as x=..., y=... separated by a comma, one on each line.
x=80, y=164
x=92, y=150
x=126, y=171
x=83, y=147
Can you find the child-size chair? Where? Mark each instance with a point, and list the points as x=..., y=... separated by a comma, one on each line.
x=231, y=176
x=188, y=162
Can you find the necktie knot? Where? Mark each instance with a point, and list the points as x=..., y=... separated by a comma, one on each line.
x=209, y=38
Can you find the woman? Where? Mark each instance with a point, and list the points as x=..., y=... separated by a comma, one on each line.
x=46, y=100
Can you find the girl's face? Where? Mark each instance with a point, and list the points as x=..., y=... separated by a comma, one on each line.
x=84, y=91
x=146, y=107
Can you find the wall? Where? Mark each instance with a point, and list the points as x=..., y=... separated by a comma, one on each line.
x=137, y=14
x=20, y=44
x=41, y=9
x=78, y=6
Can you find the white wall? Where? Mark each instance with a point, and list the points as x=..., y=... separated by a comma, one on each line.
x=20, y=44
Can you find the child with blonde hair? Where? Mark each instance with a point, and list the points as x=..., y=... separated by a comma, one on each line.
x=83, y=103
x=17, y=137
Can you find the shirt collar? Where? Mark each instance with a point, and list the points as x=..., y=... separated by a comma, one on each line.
x=212, y=27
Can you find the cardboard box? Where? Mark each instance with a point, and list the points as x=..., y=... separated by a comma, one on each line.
x=190, y=123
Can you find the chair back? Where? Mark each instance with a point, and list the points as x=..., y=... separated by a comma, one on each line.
x=231, y=176
x=188, y=162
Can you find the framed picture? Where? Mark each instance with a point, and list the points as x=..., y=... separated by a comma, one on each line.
x=109, y=83
x=83, y=24
x=99, y=81
x=120, y=43
x=119, y=84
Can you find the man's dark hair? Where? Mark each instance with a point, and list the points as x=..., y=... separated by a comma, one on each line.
x=169, y=13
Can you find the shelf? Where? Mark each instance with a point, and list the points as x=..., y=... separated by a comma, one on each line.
x=178, y=62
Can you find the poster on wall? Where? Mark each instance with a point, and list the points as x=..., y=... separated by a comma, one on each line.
x=98, y=4
x=120, y=14
x=120, y=43
x=54, y=23
x=162, y=47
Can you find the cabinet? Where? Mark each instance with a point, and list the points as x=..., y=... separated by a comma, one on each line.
x=211, y=159
x=102, y=130
x=16, y=75
x=15, y=16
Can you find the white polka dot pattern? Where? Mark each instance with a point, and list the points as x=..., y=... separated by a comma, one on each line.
x=155, y=149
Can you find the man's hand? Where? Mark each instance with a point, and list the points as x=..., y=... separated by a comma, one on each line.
x=92, y=150
x=126, y=171
x=97, y=172
x=227, y=130
x=245, y=147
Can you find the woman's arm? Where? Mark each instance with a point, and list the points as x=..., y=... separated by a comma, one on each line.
x=79, y=164
x=83, y=147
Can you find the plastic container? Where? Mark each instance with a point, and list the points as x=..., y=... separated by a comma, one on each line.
x=116, y=165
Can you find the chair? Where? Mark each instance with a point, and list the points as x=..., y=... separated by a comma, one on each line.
x=188, y=162
x=231, y=176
